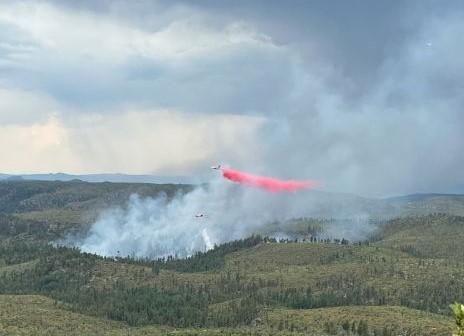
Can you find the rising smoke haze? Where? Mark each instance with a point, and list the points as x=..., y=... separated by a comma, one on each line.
x=159, y=227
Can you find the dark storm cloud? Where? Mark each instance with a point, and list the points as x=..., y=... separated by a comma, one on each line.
x=355, y=35
x=354, y=38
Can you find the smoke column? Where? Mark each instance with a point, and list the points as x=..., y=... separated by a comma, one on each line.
x=267, y=183
x=162, y=226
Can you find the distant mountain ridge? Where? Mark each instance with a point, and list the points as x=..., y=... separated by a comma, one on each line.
x=422, y=196
x=323, y=204
x=101, y=178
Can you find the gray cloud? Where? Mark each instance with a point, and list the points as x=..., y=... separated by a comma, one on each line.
x=184, y=64
x=365, y=96
x=402, y=135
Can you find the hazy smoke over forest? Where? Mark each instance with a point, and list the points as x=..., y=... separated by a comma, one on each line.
x=160, y=227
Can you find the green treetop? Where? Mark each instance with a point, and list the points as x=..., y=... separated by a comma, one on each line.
x=458, y=310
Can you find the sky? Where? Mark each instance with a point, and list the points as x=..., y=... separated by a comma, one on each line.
x=365, y=96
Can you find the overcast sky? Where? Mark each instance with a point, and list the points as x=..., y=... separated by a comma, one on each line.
x=366, y=96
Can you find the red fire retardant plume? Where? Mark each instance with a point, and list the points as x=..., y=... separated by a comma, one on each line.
x=267, y=183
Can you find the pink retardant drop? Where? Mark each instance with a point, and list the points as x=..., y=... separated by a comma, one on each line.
x=267, y=183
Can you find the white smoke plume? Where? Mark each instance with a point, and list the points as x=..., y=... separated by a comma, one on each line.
x=161, y=227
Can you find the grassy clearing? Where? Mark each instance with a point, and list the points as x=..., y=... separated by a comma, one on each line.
x=4, y=270
x=38, y=315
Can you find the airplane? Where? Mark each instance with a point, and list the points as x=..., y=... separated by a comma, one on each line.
x=216, y=167
x=200, y=215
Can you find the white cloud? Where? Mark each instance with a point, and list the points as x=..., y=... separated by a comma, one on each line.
x=84, y=59
x=38, y=147
x=166, y=142
x=25, y=107
x=60, y=64
x=105, y=39
x=134, y=141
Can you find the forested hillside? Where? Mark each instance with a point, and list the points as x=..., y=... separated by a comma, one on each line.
x=400, y=281
x=52, y=209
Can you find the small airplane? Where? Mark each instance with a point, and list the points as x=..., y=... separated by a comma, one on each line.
x=216, y=167
x=200, y=215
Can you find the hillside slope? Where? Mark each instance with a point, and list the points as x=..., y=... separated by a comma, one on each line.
x=38, y=315
x=400, y=281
